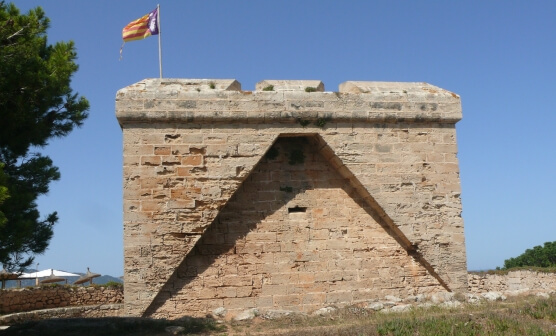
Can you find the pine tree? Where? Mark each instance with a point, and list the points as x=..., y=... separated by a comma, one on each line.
x=539, y=256
x=36, y=104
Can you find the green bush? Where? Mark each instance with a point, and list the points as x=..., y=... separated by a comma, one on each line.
x=113, y=284
x=303, y=122
x=539, y=256
x=321, y=122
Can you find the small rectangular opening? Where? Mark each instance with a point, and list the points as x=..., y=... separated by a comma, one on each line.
x=297, y=209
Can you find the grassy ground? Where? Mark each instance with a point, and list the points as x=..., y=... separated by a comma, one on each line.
x=516, y=316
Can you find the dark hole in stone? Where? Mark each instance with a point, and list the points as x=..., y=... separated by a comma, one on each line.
x=297, y=209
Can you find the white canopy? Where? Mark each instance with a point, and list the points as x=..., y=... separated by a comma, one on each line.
x=45, y=273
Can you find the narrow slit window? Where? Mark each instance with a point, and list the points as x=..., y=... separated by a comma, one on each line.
x=297, y=209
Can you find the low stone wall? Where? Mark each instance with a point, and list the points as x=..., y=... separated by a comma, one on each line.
x=106, y=301
x=513, y=283
x=27, y=299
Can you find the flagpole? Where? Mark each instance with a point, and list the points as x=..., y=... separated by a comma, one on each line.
x=159, y=33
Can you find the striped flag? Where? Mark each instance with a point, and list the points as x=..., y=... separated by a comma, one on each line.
x=141, y=28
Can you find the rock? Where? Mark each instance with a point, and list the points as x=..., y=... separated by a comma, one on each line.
x=248, y=314
x=442, y=297
x=375, y=306
x=274, y=314
x=399, y=308
x=493, y=296
x=451, y=304
x=392, y=298
x=174, y=330
x=324, y=311
x=389, y=304
x=220, y=312
x=543, y=295
x=415, y=298
x=473, y=298
x=517, y=292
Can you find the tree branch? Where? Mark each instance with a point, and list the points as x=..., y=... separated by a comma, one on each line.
x=17, y=32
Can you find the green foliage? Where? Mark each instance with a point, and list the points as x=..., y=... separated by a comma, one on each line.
x=36, y=105
x=268, y=88
x=212, y=85
x=539, y=256
x=3, y=194
x=499, y=271
x=303, y=122
x=321, y=122
x=53, y=285
x=113, y=284
x=310, y=89
x=487, y=324
x=544, y=309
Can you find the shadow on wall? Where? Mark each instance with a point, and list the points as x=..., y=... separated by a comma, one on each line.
x=295, y=222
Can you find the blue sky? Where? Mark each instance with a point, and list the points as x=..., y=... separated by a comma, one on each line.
x=499, y=56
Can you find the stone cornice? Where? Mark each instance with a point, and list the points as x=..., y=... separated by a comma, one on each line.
x=223, y=101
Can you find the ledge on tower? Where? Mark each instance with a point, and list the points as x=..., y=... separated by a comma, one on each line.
x=170, y=85
x=290, y=85
x=408, y=89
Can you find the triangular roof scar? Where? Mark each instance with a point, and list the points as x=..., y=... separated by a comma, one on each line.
x=267, y=199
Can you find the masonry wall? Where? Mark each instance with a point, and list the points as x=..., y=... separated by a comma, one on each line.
x=513, y=283
x=213, y=218
x=27, y=299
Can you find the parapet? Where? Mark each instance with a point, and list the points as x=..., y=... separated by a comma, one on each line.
x=284, y=101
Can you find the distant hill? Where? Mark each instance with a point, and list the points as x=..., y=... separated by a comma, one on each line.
x=101, y=280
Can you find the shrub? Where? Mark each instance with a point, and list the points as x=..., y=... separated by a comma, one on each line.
x=539, y=256
x=113, y=284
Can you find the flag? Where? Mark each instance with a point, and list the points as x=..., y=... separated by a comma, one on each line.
x=141, y=28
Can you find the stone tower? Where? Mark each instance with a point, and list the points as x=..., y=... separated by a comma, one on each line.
x=287, y=197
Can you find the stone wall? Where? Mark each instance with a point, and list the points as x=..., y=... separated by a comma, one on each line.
x=513, y=283
x=27, y=299
x=287, y=199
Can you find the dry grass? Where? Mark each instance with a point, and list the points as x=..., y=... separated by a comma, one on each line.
x=516, y=316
